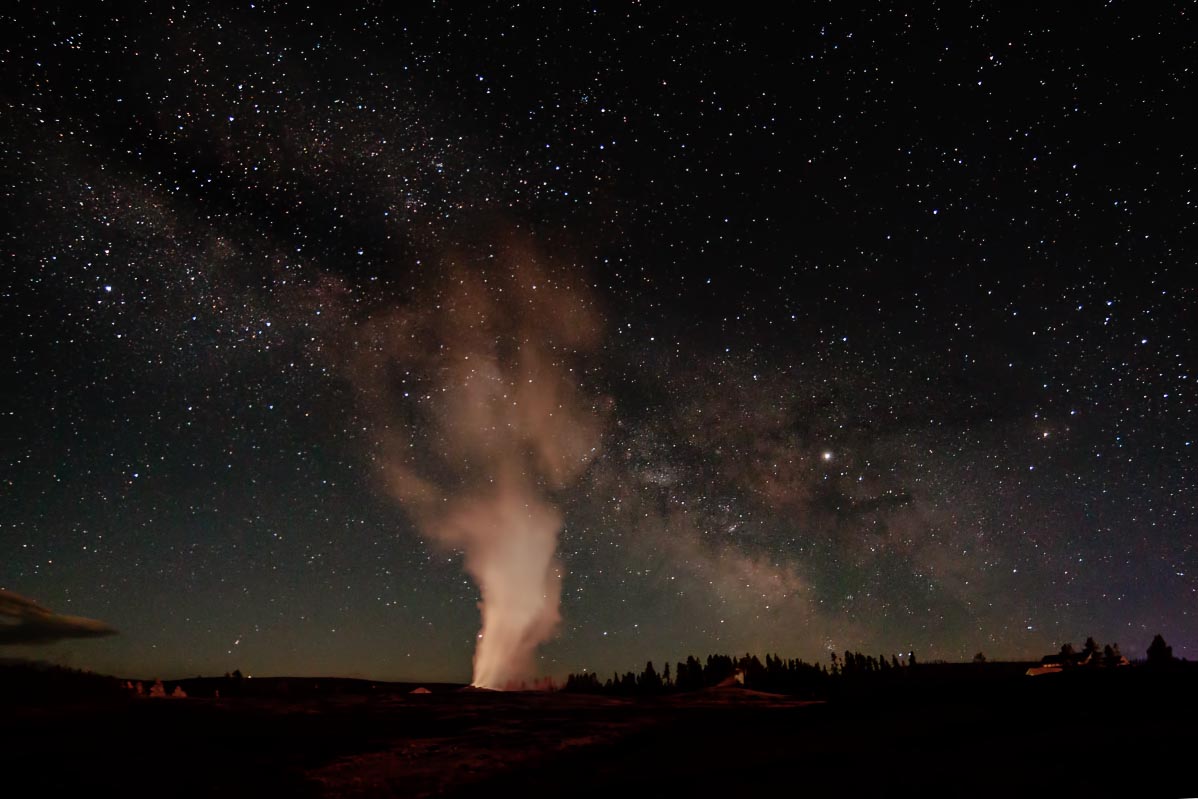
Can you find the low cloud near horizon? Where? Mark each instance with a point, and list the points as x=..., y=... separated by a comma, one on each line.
x=25, y=622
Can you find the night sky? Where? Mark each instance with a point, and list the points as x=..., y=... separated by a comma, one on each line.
x=859, y=329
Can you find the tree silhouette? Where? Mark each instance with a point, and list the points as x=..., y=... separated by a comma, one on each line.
x=649, y=681
x=754, y=672
x=718, y=669
x=688, y=676
x=585, y=683
x=1111, y=654
x=1159, y=653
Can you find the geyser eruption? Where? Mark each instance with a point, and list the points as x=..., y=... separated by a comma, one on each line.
x=510, y=538
x=484, y=420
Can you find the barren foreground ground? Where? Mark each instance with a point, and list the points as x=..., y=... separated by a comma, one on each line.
x=1015, y=738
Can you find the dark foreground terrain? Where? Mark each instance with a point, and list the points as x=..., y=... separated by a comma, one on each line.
x=1129, y=734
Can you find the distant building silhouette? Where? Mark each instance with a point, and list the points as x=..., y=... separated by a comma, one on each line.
x=1068, y=659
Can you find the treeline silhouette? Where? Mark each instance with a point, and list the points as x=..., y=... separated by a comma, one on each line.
x=775, y=675
x=850, y=671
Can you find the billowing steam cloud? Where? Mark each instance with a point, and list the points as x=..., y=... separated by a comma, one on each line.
x=477, y=391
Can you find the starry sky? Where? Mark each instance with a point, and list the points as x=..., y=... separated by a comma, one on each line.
x=891, y=325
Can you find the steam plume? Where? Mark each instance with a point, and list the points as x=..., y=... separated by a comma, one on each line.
x=484, y=421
